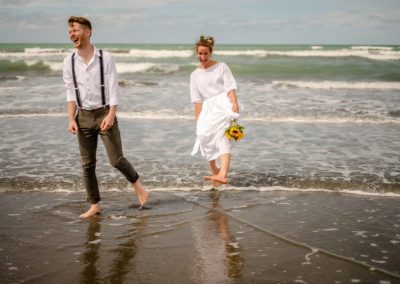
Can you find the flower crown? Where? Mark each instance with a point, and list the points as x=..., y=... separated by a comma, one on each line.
x=206, y=38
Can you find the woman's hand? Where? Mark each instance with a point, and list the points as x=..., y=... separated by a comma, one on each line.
x=235, y=108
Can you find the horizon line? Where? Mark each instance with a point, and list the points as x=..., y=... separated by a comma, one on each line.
x=180, y=43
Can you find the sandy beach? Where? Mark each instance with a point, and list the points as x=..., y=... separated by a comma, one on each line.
x=201, y=237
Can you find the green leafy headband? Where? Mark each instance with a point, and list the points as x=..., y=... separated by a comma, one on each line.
x=204, y=38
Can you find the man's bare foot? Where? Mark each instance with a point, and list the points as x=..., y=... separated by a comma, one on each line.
x=217, y=178
x=142, y=194
x=93, y=211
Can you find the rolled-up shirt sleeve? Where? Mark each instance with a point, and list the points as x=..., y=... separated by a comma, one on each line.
x=112, y=76
x=68, y=80
x=229, y=80
x=195, y=95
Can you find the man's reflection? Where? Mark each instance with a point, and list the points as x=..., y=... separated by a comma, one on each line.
x=124, y=253
x=90, y=257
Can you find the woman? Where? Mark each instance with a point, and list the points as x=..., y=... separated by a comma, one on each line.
x=212, y=90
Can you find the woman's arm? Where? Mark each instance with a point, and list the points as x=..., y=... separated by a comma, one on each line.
x=233, y=97
x=197, y=110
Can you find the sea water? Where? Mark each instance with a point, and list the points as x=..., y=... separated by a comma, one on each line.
x=316, y=118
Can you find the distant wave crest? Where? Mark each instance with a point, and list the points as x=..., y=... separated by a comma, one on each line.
x=338, y=85
x=370, y=52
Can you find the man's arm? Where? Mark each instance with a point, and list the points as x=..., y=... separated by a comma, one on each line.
x=108, y=121
x=71, y=107
x=71, y=96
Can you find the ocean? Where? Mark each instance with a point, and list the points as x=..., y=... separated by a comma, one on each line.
x=314, y=185
x=317, y=118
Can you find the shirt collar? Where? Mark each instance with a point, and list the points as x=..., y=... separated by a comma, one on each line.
x=96, y=52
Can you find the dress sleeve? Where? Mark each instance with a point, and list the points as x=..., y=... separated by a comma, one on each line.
x=229, y=80
x=195, y=95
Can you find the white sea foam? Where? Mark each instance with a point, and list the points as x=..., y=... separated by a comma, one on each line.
x=163, y=53
x=364, y=53
x=173, y=115
x=317, y=51
x=4, y=90
x=230, y=188
x=256, y=52
x=134, y=67
x=55, y=66
x=41, y=50
x=321, y=119
x=32, y=115
x=325, y=85
x=370, y=52
x=163, y=115
x=367, y=47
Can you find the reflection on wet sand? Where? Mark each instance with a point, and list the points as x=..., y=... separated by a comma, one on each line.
x=90, y=272
x=218, y=256
x=125, y=252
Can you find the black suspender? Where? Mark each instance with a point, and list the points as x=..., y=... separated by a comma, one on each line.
x=103, y=97
x=78, y=97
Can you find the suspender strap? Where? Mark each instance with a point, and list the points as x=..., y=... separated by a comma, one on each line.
x=103, y=95
x=78, y=97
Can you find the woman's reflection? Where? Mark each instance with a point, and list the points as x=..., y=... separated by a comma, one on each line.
x=218, y=257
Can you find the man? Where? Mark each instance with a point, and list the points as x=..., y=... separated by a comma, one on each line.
x=91, y=82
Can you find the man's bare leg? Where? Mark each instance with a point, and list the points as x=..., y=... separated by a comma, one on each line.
x=222, y=176
x=93, y=211
x=214, y=172
x=141, y=193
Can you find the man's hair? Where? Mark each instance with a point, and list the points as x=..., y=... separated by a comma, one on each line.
x=80, y=20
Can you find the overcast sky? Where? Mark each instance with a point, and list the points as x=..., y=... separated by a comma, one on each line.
x=229, y=21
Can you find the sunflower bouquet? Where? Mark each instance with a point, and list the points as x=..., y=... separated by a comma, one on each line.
x=235, y=131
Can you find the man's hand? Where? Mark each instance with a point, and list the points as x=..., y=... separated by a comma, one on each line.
x=72, y=127
x=107, y=122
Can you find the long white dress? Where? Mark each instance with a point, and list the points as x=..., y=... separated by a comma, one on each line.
x=211, y=87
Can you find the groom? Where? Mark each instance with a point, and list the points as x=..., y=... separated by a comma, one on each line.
x=91, y=82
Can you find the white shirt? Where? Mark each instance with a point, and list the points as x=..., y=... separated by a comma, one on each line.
x=215, y=80
x=88, y=80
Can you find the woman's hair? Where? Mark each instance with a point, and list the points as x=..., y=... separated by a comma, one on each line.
x=80, y=20
x=206, y=41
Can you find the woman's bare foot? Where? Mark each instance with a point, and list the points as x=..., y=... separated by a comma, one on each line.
x=214, y=171
x=215, y=184
x=93, y=211
x=141, y=193
x=218, y=179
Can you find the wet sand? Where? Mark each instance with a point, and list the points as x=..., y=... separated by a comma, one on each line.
x=201, y=237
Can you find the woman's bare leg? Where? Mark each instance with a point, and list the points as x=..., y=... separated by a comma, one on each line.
x=214, y=171
x=222, y=176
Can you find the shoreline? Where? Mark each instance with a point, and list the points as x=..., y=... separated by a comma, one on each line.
x=201, y=236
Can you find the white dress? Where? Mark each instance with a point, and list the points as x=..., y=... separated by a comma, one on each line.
x=211, y=87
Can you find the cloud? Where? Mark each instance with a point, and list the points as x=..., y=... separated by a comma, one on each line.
x=169, y=21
